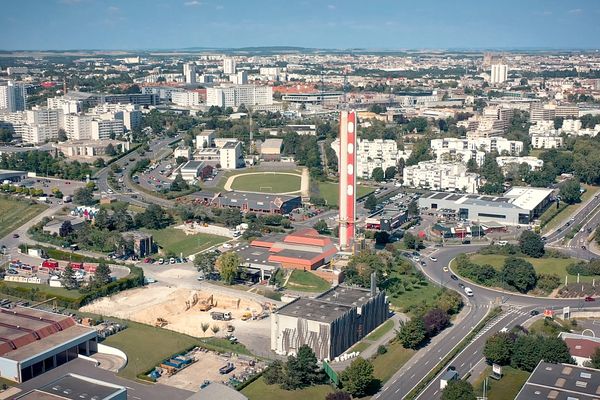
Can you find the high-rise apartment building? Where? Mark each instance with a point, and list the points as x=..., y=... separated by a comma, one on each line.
x=189, y=73
x=236, y=95
x=229, y=66
x=13, y=97
x=499, y=73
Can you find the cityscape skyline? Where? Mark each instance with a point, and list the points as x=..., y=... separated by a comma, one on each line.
x=134, y=25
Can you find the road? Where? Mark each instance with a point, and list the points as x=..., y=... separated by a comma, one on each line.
x=581, y=218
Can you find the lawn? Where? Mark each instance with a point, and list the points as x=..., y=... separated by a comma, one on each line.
x=304, y=281
x=506, y=388
x=381, y=330
x=387, y=364
x=562, y=217
x=259, y=390
x=414, y=295
x=268, y=182
x=175, y=241
x=54, y=291
x=14, y=213
x=329, y=191
x=542, y=265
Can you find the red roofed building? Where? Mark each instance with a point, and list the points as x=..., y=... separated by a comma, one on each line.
x=580, y=347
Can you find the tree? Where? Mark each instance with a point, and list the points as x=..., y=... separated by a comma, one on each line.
x=66, y=228
x=382, y=237
x=204, y=326
x=321, y=226
x=595, y=359
x=228, y=265
x=472, y=165
x=338, y=396
x=519, y=274
x=412, y=333
x=5, y=135
x=205, y=262
x=110, y=150
x=302, y=369
x=371, y=202
x=378, y=175
x=498, y=348
x=215, y=329
x=413, y=209
x=530, y=349
x=154, y=217
x=275, y=374
x=435, y=321
x=68, y=278
x=358, y=377
x=570, y=191
x=179, y=184
x=531, y=244
x=390, y=172
x=102, y=274
x=410, y=241
x=458, y=390
x=84, y=196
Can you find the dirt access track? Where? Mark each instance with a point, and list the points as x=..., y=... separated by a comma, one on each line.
x=180, y=308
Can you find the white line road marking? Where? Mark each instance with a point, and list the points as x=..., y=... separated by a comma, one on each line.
x=412, y=376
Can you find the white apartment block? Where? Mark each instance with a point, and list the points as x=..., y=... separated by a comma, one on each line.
x=499, y=73
x=473, y=145
x=77, y=126
x=371, y=154
x=541, y=127
x=68, y=106
x=13, y=97
x=546, y=141
x=102, y=129
x=236, y=95
x=271, y=73
x=230, y=155
x=187, y=98
x=444, y=177
x=163, y=92
x=130, y=114
x=189, y=73
x=239, y=78
x=535, y=163
x=229, y=66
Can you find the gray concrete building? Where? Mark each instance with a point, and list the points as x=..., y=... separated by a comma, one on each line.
x=76, y=387
x=561, y=382
x=330, y=324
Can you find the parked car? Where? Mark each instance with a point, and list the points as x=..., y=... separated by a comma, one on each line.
x=589, y=298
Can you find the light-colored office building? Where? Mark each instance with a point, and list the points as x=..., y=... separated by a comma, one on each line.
x=187, y=99
x=236, y=95
x=499, y=73
x=205, y=139
x=77, y=126
x=189, y=73
x=436, y=176
x=103, y=129
x=230, y=155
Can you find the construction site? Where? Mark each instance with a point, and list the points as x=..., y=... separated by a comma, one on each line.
x=193, y=312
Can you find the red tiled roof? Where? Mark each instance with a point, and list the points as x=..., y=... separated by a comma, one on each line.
x=581, y=347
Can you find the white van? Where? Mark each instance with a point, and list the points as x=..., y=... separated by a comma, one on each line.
x=469, y=291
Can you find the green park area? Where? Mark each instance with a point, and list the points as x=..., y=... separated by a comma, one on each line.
x=267, y=182
x=259, y=390
x=506, y=388
x=329, y=192
x=52, y=291
x=304, y=281
x=544, y=265
x=175, y=241
x=14, y=213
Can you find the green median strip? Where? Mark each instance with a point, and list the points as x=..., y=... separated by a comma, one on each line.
x=414, y=393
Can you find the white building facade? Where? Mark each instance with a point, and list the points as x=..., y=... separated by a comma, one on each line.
x=444, y=177
x=236, y=95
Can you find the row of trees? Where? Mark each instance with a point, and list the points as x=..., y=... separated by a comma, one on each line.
x=44, y=163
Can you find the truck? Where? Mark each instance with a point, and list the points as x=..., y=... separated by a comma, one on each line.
x=469, y=291
x=220, y=316
x=67, y=199
x=227, y=368
x=448, y=376
x=50, y=264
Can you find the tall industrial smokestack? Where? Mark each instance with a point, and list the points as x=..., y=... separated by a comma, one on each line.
x=347, y=170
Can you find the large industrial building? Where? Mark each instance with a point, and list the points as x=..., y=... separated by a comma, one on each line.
x=34, y=341
x=75, y=387
x=331, y=323
x=518, y=206
x=250, y=202
x=561, y=382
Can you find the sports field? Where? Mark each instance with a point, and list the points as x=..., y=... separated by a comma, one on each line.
x=267, y=182
x=14, y=213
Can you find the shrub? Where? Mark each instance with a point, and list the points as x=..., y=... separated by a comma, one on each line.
x=586, y=269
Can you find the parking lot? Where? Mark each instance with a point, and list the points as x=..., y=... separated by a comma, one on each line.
x=48, y=185
x=157, y=176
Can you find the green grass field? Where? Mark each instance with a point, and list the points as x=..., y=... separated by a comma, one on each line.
x=270, y=182
x=176, y=241
x=329, y=191
x=304, y=281
x=418, y=294
x=506, y=388
x=542, y=265
x=55, y=291
x=381, y=330
x=14, y=213
x=259, y=390
x=387, y=364
x=562, y=217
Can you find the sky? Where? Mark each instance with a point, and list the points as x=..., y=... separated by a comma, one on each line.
x=333, y=24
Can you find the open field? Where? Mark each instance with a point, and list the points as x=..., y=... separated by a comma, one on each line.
x=562, y=217
x=506, y=388
x=387, y=364
x=304, y=281
x=329, y=191
x=418, y=294
x=542, y=265
x=267, y=182
x=175, y=241
x=381, y=330
x=55, y=291
x=180, y=308
x=14, y=213
x=259, y=390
